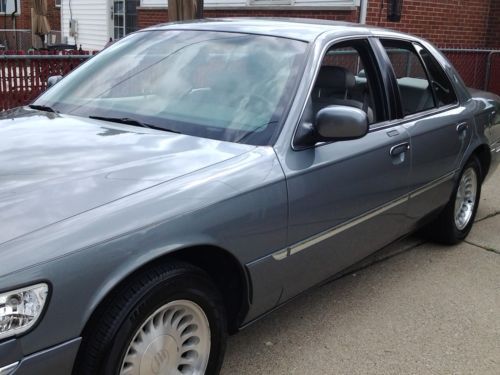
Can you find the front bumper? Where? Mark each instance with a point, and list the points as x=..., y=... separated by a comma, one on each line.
x=57, y=360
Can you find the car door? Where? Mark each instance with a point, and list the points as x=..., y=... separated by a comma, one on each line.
x=346, y=198
x=439, y=128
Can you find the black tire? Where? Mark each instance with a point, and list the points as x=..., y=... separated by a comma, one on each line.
x=444, y=230
x=107, y=338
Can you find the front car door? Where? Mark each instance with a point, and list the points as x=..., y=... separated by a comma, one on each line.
x=439, y=127
x=346, y=198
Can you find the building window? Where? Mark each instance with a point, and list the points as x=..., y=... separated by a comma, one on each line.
x=58, y=3
x=8, y=6
x=264, y=3
x=270, y=2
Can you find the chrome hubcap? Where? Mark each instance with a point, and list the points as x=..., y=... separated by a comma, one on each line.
x=466, y=198
x=175, y=339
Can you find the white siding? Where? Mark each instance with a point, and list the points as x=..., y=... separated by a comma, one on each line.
x=251, y=3
x=93, y=17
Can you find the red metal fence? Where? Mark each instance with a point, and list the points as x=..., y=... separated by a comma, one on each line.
x=24, y=76
x=479, y=69
x=493, y=78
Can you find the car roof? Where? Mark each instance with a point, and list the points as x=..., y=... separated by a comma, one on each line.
x=294, y=28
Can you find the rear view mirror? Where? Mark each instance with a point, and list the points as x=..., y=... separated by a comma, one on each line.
x=338, y=122
x=53, y=80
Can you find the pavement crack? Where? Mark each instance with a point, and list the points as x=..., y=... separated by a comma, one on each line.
x=489, y=216
x=483, y=247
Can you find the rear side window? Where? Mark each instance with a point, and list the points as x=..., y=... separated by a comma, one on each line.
x=441, y=85
x=414, y=86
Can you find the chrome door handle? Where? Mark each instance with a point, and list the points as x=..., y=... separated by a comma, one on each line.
x=399, y=149
x=462, y=127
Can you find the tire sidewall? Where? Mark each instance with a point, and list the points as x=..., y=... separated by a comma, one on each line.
x=461, y=234
x=190, y=287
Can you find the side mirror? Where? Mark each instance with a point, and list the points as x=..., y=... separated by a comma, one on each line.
x=53, y=80
x=338, y=122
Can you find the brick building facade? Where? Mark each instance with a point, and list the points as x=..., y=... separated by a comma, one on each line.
x=494, y=25
x=23, y=18
x=447, y=23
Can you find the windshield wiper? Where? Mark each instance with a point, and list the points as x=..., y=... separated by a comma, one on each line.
x=44, y=108
x=131, y=121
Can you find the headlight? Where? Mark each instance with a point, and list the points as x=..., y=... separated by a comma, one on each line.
x=20, y=309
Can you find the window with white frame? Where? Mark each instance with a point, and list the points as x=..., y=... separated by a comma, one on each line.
x=58, y=3
x=263, y=3
x=8, y=6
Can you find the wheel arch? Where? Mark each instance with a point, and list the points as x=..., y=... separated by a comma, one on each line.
x=228, y=274
x=483, y=154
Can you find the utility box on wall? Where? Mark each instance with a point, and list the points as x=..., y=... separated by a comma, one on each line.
x=394, y=10
x=86, y=23
x=73, y=28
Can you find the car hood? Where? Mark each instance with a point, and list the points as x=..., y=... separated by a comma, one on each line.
x=53, y=167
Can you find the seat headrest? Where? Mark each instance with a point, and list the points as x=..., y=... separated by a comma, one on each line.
x=335, y=78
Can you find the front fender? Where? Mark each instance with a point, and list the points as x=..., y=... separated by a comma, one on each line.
x=238, y=205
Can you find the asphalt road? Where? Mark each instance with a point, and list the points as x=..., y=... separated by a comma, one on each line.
x=417, y=308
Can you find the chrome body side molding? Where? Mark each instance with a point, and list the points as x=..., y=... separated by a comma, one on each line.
x=320, y=237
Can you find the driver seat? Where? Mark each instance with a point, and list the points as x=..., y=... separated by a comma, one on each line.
x=332, y=87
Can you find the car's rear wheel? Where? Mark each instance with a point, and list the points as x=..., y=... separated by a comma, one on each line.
x=166, y=320
x=457, y=218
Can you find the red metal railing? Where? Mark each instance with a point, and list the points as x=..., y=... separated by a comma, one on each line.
x=24, y=76
x=493, y=72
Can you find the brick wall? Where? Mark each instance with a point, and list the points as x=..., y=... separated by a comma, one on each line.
x=447, y=23
x=493, y=40
x=23, y=21
x=54, y=15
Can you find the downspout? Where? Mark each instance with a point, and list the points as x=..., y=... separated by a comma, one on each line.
x=363, y=7
x=13, y=17
x=199, y=9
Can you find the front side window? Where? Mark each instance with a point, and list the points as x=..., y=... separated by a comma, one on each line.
x=226, y=86
x=414, y=87
x=346, y=77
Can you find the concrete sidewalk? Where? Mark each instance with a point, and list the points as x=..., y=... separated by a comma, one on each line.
x=425, y=309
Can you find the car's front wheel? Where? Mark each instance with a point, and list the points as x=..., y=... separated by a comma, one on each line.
x=167, y=320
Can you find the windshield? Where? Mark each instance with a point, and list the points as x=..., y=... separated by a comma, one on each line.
x=226, y=86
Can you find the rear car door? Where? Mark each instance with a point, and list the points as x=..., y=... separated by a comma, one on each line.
x=346, y=198
x=439, y=128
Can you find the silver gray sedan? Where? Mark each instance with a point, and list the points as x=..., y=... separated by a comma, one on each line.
x=193, y=177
